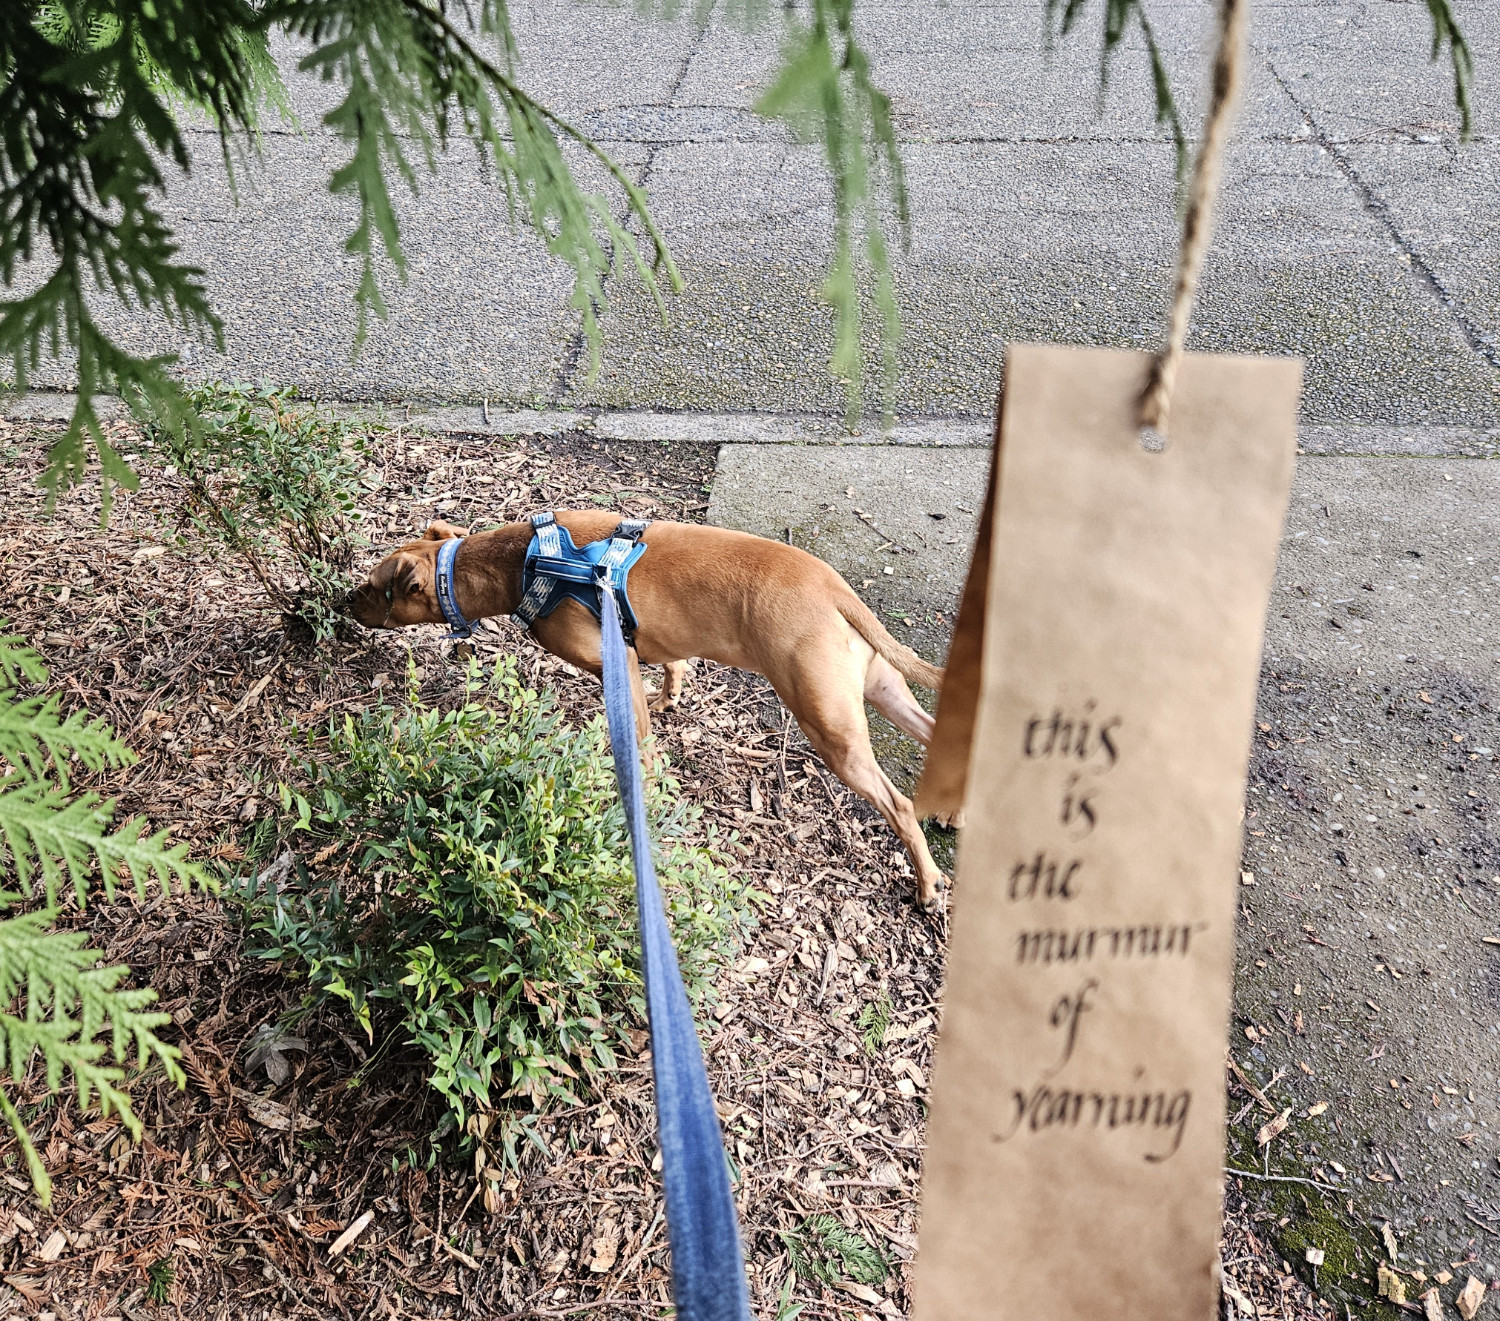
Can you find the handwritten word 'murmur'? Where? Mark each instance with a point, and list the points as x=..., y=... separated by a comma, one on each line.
x=1085, y=943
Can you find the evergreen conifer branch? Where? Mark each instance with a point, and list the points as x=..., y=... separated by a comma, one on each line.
x=826, y=93
x=68, y=1004
x=19, y=663
x=83, y=122
x=63, y=838
x=55, y=1005
x=32, y=734
x=1446, y=32
x=413, y=78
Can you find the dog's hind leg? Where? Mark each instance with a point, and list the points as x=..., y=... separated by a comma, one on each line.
x=823, y=691
x=856, y=766
x=887, y=692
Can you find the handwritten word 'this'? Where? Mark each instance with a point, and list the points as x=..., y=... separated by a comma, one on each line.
x=1079, y=738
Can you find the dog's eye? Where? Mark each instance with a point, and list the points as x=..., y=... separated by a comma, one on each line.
x=390, y=595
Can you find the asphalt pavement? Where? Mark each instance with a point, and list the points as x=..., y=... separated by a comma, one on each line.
x=1355, y=227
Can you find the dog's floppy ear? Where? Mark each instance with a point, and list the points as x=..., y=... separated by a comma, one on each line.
x=408, y=575
x=438, y=530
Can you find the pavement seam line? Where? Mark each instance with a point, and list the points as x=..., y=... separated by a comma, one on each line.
x=1423, y=274
x=568, y=369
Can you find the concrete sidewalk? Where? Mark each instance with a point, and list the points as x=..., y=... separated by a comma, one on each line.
x=1364, y=975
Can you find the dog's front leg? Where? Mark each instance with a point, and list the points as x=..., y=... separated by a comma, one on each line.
x=638, y=696
x=671, y=686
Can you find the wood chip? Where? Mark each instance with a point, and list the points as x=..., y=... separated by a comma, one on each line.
x=350, y=1234
x=272, y=1114
x=1392, y=1286
x=1469, y=1298
x=1273, y=1128
x=606, y=1247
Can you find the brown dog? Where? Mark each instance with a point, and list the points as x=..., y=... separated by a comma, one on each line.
x=704, y=591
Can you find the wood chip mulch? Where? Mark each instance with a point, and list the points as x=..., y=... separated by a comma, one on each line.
x=230, y=1205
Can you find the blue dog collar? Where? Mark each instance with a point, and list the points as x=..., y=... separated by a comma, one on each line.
x=447, y=597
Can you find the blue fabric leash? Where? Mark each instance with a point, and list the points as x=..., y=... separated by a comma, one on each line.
x=708, y=1268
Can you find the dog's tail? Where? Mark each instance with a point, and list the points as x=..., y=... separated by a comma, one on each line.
x=865, y=623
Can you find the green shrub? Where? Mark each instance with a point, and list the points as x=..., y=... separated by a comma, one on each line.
x=56, y=1001
x=464, y=874
x=278, y=486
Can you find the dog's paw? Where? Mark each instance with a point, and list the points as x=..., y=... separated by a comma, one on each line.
x=930, y=897
x=950, y=820
x=662, y=703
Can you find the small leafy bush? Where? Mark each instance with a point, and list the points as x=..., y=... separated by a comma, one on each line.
x=56, y=1003
x=278, y=486
x=463, y=877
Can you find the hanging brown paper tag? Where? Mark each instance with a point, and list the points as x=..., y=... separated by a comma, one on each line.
x=1075, y=1141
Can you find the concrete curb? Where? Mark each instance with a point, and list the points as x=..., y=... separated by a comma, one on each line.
x=1350, y=439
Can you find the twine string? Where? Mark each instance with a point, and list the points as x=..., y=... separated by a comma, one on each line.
x=1198, y=218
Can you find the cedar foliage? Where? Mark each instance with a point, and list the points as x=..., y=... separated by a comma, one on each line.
x=56, y=1005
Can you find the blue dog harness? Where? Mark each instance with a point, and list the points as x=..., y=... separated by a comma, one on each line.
x=556, y=569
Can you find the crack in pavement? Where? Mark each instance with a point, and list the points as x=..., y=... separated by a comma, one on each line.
x=1423, y=274
x=568, y=370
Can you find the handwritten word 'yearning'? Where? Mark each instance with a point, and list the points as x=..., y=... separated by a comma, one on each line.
x=1043, y=1108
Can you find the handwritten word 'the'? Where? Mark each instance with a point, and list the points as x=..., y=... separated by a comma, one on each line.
x=1045, y=877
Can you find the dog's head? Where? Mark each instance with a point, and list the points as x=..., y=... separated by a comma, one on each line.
x=401, y=589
